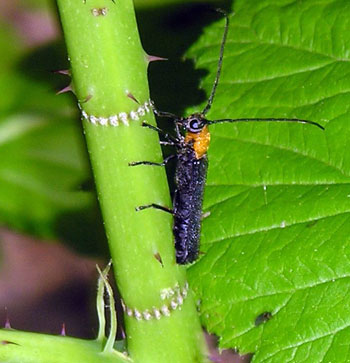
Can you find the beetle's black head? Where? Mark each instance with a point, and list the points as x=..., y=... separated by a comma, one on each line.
x=193, y=123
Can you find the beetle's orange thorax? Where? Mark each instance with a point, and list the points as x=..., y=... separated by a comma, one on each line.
x=200, y=141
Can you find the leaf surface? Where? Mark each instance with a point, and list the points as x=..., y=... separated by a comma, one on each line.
x=277, y=239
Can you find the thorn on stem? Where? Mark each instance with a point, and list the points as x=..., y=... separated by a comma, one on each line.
x=65, y=72
x=7, y=324
x=87, y=98
x=7, y=320
x=5, y=342
x=122, y=332
x=131, y=96
x=65, y=89
x=158, y=258
x=154, y=58
x=63, y=330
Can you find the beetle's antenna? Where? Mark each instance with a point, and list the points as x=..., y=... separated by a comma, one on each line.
x=265, y=120
x=216, y=81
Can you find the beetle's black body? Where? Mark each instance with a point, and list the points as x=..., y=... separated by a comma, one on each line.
x=190, y=175
x=191, y=143
x=190, y=179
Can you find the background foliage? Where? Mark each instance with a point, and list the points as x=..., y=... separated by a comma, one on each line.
x=277, y=239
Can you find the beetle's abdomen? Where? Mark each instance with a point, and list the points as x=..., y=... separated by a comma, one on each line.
x=190, y=181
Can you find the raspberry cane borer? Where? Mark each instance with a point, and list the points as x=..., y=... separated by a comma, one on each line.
x=191, y=143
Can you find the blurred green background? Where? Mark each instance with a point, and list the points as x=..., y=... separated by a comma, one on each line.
x=45, y=183
x=46, y=188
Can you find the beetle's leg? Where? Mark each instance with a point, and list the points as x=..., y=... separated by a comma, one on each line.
x=135, y=163
x=164, y=114
x=155, y=206
x=167, y=137
x=167, y=143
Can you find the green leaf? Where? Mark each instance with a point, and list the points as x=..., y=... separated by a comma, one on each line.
x=277, y=239
x=42, y=158
x=41, y=169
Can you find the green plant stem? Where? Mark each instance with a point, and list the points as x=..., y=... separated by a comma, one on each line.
x=25, y=347
x=108, y=62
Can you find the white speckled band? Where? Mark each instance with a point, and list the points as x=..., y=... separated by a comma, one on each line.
x=122, y=117
x=178, y=296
